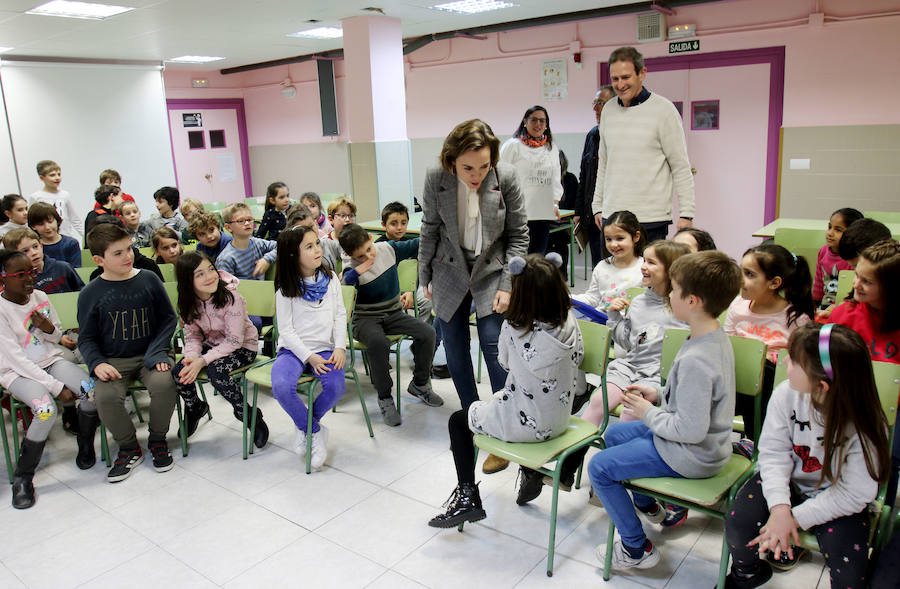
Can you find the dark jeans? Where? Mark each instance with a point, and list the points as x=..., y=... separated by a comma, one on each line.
x=373, y=330
x=595, y=241
x=538, y=236
x=458, y=345
x=844, y=541
x=559, y=242
x=657, y=230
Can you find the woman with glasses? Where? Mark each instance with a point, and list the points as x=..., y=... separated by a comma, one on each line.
x=536, y=160
x=473, y=223
x=33, y=371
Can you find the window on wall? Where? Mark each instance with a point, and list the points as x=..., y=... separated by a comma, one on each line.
x=196, y=140
x=704, y=114
x=216, y=139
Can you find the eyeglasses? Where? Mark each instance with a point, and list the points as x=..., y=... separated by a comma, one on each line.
x=536, y=121
x=21, y=275
x=246, y=220
x=345, y=216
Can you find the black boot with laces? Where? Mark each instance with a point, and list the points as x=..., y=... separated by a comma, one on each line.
x=464, y=505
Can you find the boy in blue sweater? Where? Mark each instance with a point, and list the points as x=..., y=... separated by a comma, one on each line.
x=126, y=324
x=378, y=312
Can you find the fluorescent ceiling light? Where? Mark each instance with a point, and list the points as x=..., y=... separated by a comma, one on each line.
x=319, y=33
x=195, y=59
x=78, y=9
x=473, y=6
x=5, y=49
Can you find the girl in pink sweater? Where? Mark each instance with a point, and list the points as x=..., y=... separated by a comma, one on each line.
x=218, y=337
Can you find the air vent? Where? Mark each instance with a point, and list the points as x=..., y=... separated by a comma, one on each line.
x=651, y=26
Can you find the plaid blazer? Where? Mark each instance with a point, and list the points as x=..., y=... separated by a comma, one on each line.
x=504, y=233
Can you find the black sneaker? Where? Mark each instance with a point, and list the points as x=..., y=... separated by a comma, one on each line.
x=193, y=415
x=785, y=562
x=126, y=461
x=162, y=458
x=530, y=487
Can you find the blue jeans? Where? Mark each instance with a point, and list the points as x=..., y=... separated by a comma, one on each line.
x=287, y=370
x=457, y=347
x=629, y=454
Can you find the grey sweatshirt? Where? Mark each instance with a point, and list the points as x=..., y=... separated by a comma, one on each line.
x=692, y=427
x=640, y=332
x=535, y=404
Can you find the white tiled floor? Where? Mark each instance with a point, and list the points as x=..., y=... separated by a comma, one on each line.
x=217, y=520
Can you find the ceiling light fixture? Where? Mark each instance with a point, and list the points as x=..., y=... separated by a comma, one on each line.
x=195, y=59
x=473, y=6
x=88, y=10
x=319, y=33
x=288, y=90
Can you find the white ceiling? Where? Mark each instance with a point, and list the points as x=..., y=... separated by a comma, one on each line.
x=242, y=31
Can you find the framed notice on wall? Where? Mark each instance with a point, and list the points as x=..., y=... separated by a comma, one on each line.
x=554, y=81
x=192, y=119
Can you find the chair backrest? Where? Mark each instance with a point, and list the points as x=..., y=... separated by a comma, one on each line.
x=802, y=242
x=887, y=380
x=349, y=294
x=215, y=206
x=147, y=251
x=780, y=368
x=87, y=259
x=634, y=291
x=408, y=273
x=172, y=291
x=189, y=247
x=884, y=216
x=845, y=285
x=85, y=273
x=257, y=211
x=672, y=341
x=260, y=295
x=596, y=347
x=168, y=272
x=66, y=305
x=255, y=200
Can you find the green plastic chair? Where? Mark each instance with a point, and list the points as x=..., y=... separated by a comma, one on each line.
x=845, y=285
x=85, y=273
x=408, y=277
x=87, y=259
x=147, y=251
x=9, y=463
x=704, y=495
x=802, y=242
x=215, y=207
x=261, y=375
x=884, y=216
x=579, y=433
x=168, y=272
x=260, y=296
x=255, y=200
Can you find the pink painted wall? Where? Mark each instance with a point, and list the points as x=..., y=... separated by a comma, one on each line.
x=837, y=73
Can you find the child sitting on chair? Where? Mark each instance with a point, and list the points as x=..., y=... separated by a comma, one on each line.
x=540, y=344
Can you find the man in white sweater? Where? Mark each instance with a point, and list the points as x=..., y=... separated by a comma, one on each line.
x=643, y=154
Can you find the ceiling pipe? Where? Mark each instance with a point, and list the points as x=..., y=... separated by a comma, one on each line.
x=417, y=43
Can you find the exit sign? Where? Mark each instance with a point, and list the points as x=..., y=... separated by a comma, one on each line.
x=684, y=46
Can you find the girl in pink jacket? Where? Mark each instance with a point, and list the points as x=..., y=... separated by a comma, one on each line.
x=218, y=337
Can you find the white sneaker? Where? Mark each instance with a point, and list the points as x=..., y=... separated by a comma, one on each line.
x=622, y=560
x=300, y=443
x=319, y=451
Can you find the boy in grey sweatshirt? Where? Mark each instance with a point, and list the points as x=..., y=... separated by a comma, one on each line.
x=688, y=434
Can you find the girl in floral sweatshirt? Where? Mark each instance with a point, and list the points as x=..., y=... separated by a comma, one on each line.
x=218, y=337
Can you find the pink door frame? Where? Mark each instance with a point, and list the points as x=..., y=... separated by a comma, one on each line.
x=212, y=104
x=774, y=56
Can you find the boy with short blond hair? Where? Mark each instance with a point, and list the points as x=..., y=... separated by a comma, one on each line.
x=210, y=239
x=689, y=434
x=379, y=313
x=140, y=231
x=126, y=323
x=246, y=257
x=51, y=175
x=44, y=219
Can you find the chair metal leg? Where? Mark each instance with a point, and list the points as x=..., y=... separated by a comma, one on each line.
x=397, y=357
x=249, y=441
x=244, y=421
x=723, y=562
x=182, y=427
x=310, y=399
x=205, y=400
x=362, y=401
x=14, y=408
x=607, y=562
x=9, y=467
x=551, y=548
x=578, y=475
x=104, y=446
x=478, y=380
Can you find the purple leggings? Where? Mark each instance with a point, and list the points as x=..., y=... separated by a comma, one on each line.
x=287, y=370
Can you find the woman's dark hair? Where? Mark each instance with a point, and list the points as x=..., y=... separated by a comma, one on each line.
x=796, y=282
x=849, y=215
x=851, y=399
x=885, y=259
x=628, y=222
x=188, y=302
x=272, y=192
x=563, y=163
x=287, y=265
x=470, y=135
x=7, y=255
x=522, y=131
x=704, y=240
x=7, y=204
x=539, y=293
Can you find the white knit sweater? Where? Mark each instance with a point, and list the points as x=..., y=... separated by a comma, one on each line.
x=642, y=156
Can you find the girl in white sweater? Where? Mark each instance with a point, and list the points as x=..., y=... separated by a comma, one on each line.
x=536, y=159
x=822, y=453
x=312, y=331
x=33, y=371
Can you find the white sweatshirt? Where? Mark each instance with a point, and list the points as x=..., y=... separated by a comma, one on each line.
x=791, y=451
x=306, y=327
x=538, y=173
x=609, y=282
x=72, y=222
x=25, y=350
x=642, y=157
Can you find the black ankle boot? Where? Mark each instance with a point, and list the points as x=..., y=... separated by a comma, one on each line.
x=532, y=482
x=464, y=505
x=193, y=414
x=70, y=419
x=22, y=487
x=261, y=437
x=87, y=427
